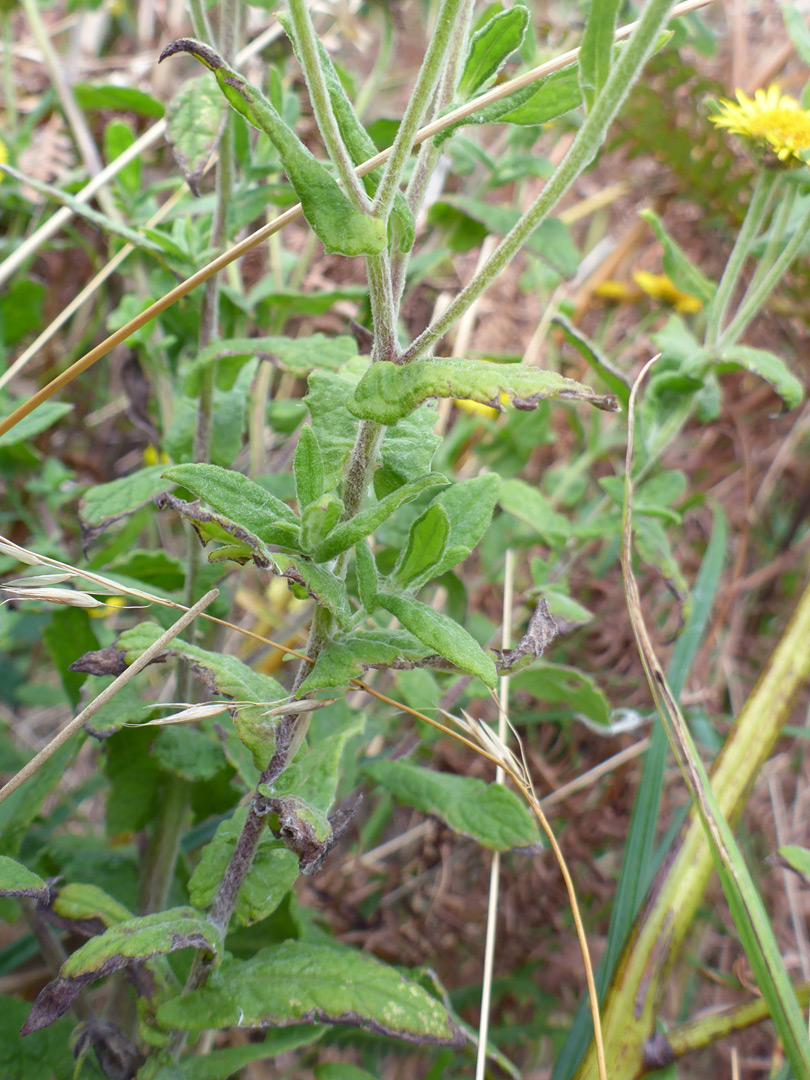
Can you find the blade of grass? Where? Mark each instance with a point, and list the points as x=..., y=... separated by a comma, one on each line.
x=747, y=909
x=639, y=862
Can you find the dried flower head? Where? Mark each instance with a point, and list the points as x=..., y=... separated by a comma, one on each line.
x=774, y=124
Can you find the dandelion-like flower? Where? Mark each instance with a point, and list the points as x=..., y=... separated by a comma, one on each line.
x=772, y=122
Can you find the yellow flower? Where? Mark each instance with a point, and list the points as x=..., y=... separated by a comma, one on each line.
x=152, y=457
x=773, y=122
x=659, y=287
x=3, y=153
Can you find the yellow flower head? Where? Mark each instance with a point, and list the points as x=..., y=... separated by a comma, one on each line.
x=659, y=287
x=773, y=122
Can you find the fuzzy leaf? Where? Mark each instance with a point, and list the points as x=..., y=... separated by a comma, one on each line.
x=566, y=687
x=271, y=876
x=320, y=583
x=677, y=266
x=768, y=366
x=390, y=391
x=443, y=635
x=297, y=356
x=489, y=813
x=240, y=544
x=235, y=495
x=103, y=504
x=597, y=44
x=331, y=215
x=528, y=504
x=18, y=880
x=308, y=468
x=491, y=46
x=468, y=505
x=366, y=571
x=297, y=981
x=194, y=120
x=350, y=532
x=78, y=901
x=348, y=656
x=426, y=544
x=137, y=939
x=538, y=103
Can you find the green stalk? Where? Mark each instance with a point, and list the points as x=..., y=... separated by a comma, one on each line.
x=778, y=225
x=307, y=44
x=752, y=223
x=758, y=293
x=584, y=148
x=629, y=1013
x=429, y=153
x=426, y=82
x=383, y=310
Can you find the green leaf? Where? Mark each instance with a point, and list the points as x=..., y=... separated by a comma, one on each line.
x=314, y=778
x=242, y=500
x=334, y=427
x=348, y=656
x=136, y=939
x=426, y=544
x=119, y=137
x=596, y=49
x=81, y=209
x=340, y=227
x=367, y=580
x=109, y=97
x=296, y=356
x=78, y=901
x=390, y=391
x=189, y=753
x=768, y=366
x=320, y=583
x=557, y=684
x=798, y=858
x=443, y=635
x=68, y=635
x=528, y=504
x=350, y=532
x=22, y=806
x=469, y=505
x=308, y=468
x=222, y=674
x=297, y=981
x=194, y=120
x=272, y=874
x=106, y=503
x=611, y=376
x=491, y=46
x=241, y=545
x=43, y=417
x=18, y=880
x=489, y=813
x=408, y=447
x=551, y=240
x=538, y=103
x=341, y=1070
x=225, y=1063
x=319, y=519
x=43, y=1054
x=677, y=266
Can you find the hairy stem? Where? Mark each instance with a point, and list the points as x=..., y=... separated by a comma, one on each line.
x=583, y=149
x=755, y=215
x=447, y=23
x=307, y=44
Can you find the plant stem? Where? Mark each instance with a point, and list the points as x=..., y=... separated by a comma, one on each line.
x=759, y=293
x=583, y=149
x=164, y=847
x=777, y=227
x=429, y=152
x=754, y=216
x=383, y=309
x=307, y=44
x=447, y=24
